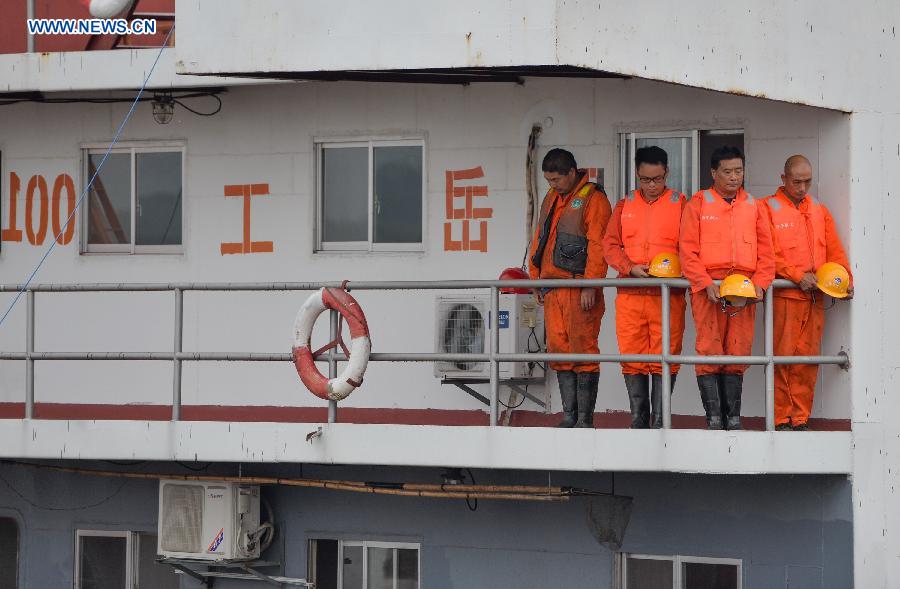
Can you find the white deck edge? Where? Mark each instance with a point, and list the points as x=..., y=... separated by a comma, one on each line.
x=689, y=451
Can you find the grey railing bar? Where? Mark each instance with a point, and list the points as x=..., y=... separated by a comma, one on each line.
x=665, y=346
x=362, y=285
x=29, y=355
x=333, y=318
x=176, y=361
x=839, y=359
x=495, y=354
x=769, y=322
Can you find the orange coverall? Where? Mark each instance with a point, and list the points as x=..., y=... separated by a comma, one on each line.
x=570, y=329
x=801, y=245
x=638, y=309
x=718, y=239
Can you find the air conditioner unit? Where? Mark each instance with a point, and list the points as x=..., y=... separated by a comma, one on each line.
x=462, y=327
x=209, y=521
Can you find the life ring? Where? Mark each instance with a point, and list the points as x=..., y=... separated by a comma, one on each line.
x=338, y=300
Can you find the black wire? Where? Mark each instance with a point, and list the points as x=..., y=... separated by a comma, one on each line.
x=472, y=507
x=514, y=406
x=194, y=468
x=48, y=508
x=202, y=114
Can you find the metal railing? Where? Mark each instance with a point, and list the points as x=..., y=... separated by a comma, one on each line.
x=177, y=356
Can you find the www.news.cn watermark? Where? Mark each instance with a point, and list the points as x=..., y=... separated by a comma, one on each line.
x=91, y=26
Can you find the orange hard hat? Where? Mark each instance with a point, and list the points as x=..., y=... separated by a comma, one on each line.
x=736, y=289
x=514, y=274
x=833, y=279
x=665, y=265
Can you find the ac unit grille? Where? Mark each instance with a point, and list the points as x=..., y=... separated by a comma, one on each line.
x=461, y=332
x=182, y=518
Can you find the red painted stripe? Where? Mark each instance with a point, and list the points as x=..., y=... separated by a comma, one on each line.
x=450, y=417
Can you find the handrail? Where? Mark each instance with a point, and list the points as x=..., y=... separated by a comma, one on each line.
x=177, y=356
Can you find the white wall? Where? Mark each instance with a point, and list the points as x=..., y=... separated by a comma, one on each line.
x=822, y=53
x=266, y=134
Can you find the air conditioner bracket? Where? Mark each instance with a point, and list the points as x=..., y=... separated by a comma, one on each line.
x=208, y=577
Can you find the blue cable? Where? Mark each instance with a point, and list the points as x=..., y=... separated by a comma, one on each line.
x=89, y=184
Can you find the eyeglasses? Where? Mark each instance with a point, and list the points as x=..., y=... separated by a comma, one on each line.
x=654, y=180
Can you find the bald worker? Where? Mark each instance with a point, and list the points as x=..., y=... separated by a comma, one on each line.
x=804, y=236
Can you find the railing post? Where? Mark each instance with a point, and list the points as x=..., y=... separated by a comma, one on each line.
x=770, y=365
x=495, y=349
x=29, y=350
x=665, y=348
x=332, y=364
x=176, y=361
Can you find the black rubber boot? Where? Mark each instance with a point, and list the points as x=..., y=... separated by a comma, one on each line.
x=638, y=388
x=731, y=386
x=568, y=393
x=656, y=398
x=709, y=394
x=587, y=398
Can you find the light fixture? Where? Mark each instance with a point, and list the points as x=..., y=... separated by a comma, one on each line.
x=163, y=107
x=453, y=476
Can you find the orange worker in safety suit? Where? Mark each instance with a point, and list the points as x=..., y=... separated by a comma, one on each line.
x=567, y=244
x=646, y=222
x=724, y=230
x=805, y=237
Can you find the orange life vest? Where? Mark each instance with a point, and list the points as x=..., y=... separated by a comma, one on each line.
x=649, y=229
x=800, y=234
x=728, y=232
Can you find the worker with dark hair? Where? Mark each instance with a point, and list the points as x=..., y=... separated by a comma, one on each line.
x=644, y=227
x=724, y=231
x=567, y=244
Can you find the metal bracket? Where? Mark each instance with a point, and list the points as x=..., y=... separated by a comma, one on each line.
x=208, y=577
x=515, y=384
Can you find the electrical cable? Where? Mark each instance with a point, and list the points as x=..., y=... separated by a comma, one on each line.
x=194, y=468
x=468, y=503
x=90, y=183
x=202, y=114
x=53, y=508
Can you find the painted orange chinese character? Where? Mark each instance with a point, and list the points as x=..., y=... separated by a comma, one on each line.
x=246, y=246
x=466, y=211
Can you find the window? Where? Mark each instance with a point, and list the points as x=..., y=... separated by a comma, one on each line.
x=689, y=153
x=119, y=560
x=370, y=195
x=135, y=203
x=347, y=564
x=9, y=553
x=638, y=571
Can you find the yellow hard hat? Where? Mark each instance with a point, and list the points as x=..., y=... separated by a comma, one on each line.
x=833, y=279
x=737, y=289
x=665, y=265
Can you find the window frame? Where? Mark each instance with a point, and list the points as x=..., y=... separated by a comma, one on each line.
x=677, y=560
x=627, y=148
x=131, y=148
x=132, y=552
x=365, y=545
x=627, y=140
x=16, y=518
x=129, y=552
x=370, y=142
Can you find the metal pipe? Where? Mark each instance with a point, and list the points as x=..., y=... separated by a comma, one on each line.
x=769, y=321
x=29, y=353
x=839, y=359
x=29, y=14
x=665, y=348
x=495, y=351
x=381, y=285
x=176, y=361
x=332, y=364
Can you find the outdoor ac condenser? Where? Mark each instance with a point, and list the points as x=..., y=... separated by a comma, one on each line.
x=462, y=327
x=208, y=521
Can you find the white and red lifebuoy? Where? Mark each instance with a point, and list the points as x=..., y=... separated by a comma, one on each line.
x=338, y=300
